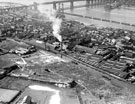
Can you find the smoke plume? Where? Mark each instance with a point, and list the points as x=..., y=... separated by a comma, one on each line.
x=56, y=22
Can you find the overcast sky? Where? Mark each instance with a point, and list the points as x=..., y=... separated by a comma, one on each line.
x=27, y=1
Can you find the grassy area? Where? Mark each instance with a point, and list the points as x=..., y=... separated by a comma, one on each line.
x=10, y=44
x=102, y=91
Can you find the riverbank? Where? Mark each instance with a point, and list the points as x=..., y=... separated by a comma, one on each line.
x=123, y=17
x=98, y=24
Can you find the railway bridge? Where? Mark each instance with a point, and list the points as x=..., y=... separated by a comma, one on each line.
x=55, y=4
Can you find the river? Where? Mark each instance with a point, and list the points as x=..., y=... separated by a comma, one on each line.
x=123, y=15
x=126, y=15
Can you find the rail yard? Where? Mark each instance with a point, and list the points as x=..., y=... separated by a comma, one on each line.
x=55, y=60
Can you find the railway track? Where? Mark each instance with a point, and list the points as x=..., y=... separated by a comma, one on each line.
x=99, y=69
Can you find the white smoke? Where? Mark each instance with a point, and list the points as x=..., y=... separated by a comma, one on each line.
x=56, y=29
x=56, y=22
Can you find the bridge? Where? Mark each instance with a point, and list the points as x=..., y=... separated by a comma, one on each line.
x=9, y=4
x=88, y=2
x=13, y=9
x=55, y=4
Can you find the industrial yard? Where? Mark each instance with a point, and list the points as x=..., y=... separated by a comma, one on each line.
x=46, y=69
x=48, y=58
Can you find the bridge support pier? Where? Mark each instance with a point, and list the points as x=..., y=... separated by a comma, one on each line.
x=87, y=3
x=54, y=5
x=35, y=6
x=59, y=7
x=103, y=1
x=92, y=2
x=71, y=5
x=97, y=2
x=62, y=8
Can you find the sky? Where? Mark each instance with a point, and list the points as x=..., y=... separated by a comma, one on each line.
x=27, y=2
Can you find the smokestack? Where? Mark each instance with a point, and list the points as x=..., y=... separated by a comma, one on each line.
x=56, y=22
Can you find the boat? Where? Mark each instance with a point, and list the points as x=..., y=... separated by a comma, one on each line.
x=114, y=5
